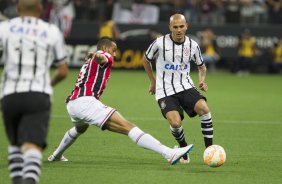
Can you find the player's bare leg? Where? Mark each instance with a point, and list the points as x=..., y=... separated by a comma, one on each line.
x=177, y=131
x=117, y=123
x=69, y=138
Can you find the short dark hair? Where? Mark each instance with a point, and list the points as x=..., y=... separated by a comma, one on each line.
x=104, y=41
x=29, y=5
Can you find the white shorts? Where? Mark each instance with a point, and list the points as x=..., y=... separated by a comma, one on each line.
x=89, y=110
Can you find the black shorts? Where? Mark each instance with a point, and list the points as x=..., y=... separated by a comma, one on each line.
x=184, y=100
x=26, y=117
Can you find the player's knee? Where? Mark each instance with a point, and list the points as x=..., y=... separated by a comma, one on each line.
x=82, y=129
x=174, y=122
x=201, y=107
x=174, y=119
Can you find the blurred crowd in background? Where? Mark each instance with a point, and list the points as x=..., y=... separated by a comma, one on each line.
x=214, y=12
x=109, y=13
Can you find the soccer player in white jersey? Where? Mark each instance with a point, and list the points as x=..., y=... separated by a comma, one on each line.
x=30, y=47
x=173, y=86
x=85, y=109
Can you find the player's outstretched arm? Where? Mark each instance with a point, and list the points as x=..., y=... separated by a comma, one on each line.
x=98, y=58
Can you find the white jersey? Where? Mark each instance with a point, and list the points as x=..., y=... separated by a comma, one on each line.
x=30, y=46
x=173, y=64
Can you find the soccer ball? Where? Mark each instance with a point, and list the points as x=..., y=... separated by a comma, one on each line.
x=214, y=156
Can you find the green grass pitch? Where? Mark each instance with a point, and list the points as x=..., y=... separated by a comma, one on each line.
x=247, y=120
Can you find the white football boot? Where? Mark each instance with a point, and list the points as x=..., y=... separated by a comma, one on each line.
x=182, y=160
x=52, y=158
x=178, y=153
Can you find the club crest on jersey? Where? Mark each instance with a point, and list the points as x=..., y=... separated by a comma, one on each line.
x=186, y=51
x=176, y=67
x=163, y=104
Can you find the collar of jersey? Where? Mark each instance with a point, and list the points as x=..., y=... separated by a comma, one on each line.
x=177, y=43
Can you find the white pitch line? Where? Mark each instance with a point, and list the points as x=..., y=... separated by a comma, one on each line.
x=162, y=119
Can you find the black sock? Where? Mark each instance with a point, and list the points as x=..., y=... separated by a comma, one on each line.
x=15, y=162
x=29, y=181
x=207, y=129
x=178, y=134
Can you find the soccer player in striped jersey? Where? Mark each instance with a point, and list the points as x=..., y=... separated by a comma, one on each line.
x=173, y=86
x=30, y=47
x=85, y=108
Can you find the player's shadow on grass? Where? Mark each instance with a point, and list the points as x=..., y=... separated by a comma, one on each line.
x=121, y=162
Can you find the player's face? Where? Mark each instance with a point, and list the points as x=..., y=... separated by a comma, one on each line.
x=112, y=49
x=178, y=29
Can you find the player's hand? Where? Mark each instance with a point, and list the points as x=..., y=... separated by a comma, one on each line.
x=203, y=86
x=152, y=88
x=90, y=55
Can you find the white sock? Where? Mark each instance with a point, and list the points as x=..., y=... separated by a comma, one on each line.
x=68, y=139
x=147, y=141
x=32, y=164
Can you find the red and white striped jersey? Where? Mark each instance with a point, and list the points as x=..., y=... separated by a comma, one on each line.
x=92, y=78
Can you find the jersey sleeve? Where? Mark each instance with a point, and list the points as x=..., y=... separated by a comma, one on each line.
x=108, y=56
x=197, y=57
x=59, y=48
x=1, y=31
x=152, y=52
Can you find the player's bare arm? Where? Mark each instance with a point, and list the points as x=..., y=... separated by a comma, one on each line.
x=148, y=68
x=202, y=76
x=60, y=73
x=98, y=58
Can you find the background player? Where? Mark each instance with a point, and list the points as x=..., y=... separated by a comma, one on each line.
x=174, y=88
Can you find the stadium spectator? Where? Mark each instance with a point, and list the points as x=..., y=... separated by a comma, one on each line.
x=3, y=5
x=108, y=27
x=246, y=52
x=135, y=13
x=209, y=48
x=247, y=12
x=173, y=86
x=9, y=8
x=274, y=11
x=276, y=52
x=232, y=11
x=190, y=11
x=27, y=87
x=85, y=108
x=62, y=14
x=208, y=12
x=261, y=12
x=81, y=9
